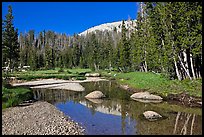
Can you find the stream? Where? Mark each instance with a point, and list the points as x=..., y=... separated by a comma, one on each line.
x=118, y=114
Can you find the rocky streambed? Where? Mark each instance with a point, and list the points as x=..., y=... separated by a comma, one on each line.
x=39, y=118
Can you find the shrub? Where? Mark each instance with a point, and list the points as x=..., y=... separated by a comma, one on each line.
x=60, y=70
x=69, y=72
x=14, y=96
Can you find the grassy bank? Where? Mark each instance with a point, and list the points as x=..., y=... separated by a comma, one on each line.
x=53, y=73
x=13, y=96
x=156, y=83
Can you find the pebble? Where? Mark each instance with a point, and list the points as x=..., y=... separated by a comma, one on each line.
x=40, y=118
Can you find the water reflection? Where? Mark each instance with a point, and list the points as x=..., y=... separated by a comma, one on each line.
x=118, y=114
x=184, y=124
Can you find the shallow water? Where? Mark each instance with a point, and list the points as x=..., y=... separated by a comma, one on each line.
x=118, y=114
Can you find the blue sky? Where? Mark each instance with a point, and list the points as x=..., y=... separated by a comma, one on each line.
x=67, y=17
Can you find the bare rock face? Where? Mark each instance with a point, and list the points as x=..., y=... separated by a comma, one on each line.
x=92, y=75
x=129, y=24
x=95, y=95
x=151, y=115
x=146, y=96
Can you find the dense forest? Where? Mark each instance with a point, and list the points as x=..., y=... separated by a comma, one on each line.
x=167, y=39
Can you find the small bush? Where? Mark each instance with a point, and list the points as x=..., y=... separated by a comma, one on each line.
x=65, y=77
x=14, y=96
x=82, y=73
x=69, y=72
x=60, y=70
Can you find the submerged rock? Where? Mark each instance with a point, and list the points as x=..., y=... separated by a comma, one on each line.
x=151, y=115
x=146, y=96
x=95, y=95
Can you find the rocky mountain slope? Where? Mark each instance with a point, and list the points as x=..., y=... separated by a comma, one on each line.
x=130, y=25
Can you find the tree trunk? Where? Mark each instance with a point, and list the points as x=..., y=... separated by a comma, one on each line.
x=185, y=61
x=95, y=66
x=145, y=66
x=161, y=61
x=192, y=68
x=177, y=71
x=145, y=62
x=184, y=67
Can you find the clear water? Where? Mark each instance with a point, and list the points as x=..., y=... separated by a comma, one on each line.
x=117, y=114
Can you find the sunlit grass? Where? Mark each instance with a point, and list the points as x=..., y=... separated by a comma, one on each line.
x=53, y=73
x=156, y=83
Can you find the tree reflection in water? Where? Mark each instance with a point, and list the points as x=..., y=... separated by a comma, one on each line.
x=126, y=112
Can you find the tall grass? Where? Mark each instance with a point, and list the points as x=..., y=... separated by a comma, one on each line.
x=14, y=96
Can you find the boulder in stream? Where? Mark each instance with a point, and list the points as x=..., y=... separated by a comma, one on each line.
x=151, y=115
x=95, y=95
x=146, y=96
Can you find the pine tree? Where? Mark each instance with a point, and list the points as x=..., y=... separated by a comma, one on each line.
x=125, y=51
x=10, y=45
x=76, y=51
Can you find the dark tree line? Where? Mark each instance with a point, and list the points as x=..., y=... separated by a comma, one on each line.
x=167, y=39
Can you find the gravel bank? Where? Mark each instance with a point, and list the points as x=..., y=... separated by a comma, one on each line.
x=40, y=118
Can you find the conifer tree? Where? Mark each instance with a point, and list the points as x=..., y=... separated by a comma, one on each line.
x=10, y=45
x=125, y=50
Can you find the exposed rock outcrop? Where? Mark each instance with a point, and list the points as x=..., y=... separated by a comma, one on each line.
x=129, y=24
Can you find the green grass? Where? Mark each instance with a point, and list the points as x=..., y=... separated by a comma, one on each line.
x=53, y=73
x=156, y=83
x=14, y=96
